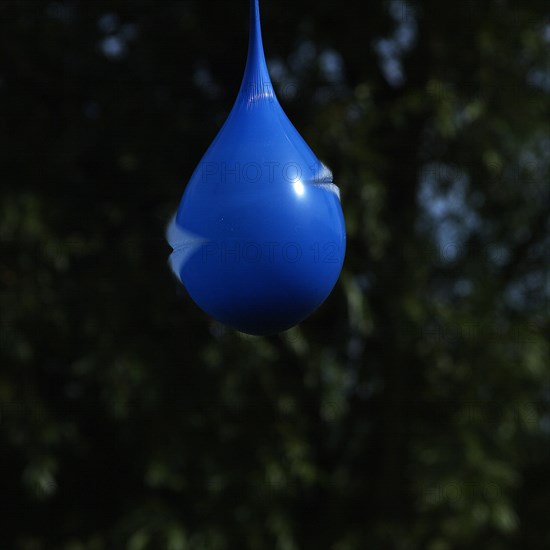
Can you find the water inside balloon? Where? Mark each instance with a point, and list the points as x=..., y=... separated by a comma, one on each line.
x=259, y=236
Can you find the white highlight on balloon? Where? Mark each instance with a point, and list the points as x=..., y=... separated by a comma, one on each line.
x=299, y=188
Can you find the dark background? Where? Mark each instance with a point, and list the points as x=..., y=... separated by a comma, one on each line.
x=411, y=411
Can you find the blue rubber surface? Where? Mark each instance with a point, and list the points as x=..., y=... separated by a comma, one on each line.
x=259, y=236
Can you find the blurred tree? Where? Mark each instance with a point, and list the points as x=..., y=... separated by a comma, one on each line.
x=411, y=411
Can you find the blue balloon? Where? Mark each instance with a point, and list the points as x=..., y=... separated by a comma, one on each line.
x=259, y=236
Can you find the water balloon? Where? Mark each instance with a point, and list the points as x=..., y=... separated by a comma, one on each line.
x=259, y=236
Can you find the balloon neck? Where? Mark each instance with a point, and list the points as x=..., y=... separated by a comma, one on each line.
x=256, y=85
